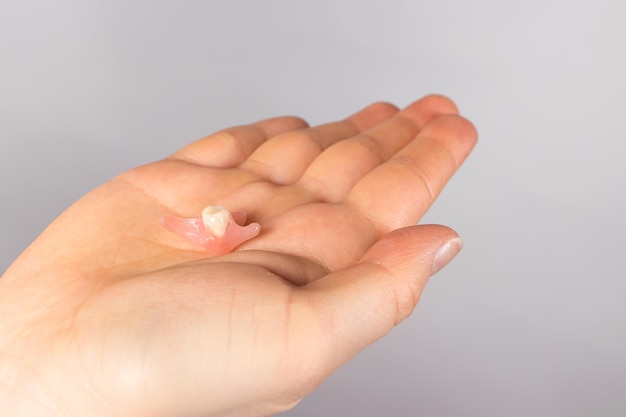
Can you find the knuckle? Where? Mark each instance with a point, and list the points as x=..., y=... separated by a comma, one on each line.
x=405, y=300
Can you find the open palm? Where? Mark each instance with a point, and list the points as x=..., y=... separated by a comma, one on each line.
x=126, y=318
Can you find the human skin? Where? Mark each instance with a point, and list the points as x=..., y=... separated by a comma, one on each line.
x=109, y=314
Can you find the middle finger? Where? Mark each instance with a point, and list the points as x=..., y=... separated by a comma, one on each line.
x=333, y=174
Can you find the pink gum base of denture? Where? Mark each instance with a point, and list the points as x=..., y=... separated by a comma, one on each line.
x=194, y=231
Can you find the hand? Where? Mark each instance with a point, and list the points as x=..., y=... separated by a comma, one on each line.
x=109, y=314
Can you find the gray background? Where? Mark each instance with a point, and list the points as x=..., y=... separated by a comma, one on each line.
x=528, y=321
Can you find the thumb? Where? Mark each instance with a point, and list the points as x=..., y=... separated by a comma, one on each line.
x=359, y=305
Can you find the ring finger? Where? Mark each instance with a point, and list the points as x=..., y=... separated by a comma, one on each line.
x=284, y=158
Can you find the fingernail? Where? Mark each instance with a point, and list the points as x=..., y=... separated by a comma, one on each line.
x=446, y=253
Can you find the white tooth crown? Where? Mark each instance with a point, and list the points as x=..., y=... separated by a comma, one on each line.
x=216, y=218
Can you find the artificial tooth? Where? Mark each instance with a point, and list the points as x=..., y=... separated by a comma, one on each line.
x=216, y=219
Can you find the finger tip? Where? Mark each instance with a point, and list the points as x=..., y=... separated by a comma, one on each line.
x=383, y=108
x=429, y=108
x=442, y=103
x=456, y=130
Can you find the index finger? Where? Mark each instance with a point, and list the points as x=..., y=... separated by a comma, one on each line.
x=400, y=191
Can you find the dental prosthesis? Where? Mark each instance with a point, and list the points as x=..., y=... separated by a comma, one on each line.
x=217, y=230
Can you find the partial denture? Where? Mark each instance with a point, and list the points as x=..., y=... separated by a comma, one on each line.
x=217, y=230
